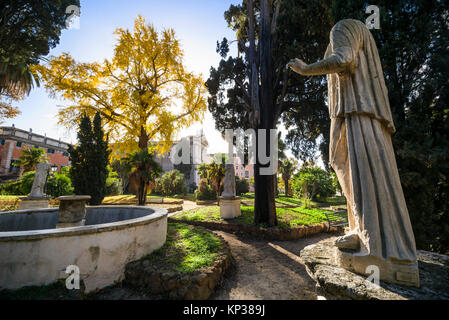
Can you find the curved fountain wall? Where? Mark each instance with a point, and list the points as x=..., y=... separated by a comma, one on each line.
x=34, y=253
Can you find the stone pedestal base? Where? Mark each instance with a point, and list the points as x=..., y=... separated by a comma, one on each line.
x=70, y=224
x=33, y=203
x=72, y=211
x=404, y=274
x=335, y=282
x=230, y=208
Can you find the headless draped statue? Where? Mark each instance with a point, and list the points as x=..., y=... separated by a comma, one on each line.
x=40, y=180
x=361, y=153
x=229, y=183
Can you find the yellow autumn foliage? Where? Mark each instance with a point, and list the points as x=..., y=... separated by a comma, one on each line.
x=144, y=93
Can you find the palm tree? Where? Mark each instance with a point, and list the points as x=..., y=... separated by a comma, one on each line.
x=145, y=170
x=202, y=171
x=30, y=158
x=216, y=172
x=287, y=168
x=17, y=78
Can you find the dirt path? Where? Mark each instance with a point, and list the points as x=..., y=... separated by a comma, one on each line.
x=189, y=205
x=269, y=270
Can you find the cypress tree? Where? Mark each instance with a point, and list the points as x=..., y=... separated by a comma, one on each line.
x=89, y=160
x=79, y=157
x=99, y=160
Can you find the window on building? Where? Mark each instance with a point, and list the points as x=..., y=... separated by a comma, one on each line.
x=19, y=144
x=236, y=167
x=13, y=168
x=2, y=142
x=246, y=174
x=51, y=151
x=65, y=154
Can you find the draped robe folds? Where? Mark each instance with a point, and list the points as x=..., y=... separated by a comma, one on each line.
x=361, y=150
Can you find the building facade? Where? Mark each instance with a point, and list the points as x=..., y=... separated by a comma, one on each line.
x=241, y=170
x=198, y=155
x=14, y=140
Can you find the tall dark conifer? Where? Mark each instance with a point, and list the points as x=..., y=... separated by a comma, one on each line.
x=89, y=160
x=99, y=160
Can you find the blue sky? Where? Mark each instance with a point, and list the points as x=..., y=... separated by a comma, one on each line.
x=197, y=23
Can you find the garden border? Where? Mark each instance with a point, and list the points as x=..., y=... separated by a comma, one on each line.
x=265, y=233
x=197, y=285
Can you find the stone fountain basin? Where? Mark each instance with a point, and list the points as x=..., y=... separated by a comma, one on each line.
x=34, y=253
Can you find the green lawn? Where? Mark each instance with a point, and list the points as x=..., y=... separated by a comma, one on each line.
x=287, y=218
x=187, y=249
x=283, y=200
x=9, y=203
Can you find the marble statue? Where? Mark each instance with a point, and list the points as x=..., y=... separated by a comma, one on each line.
x=40, y=179
x=229, y=202
x=229, y=183
x=361, y=153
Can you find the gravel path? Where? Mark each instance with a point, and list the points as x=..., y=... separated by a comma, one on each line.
x=263, y=269
x=269, y=270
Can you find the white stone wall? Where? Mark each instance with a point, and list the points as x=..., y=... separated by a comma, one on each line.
x=100, y=255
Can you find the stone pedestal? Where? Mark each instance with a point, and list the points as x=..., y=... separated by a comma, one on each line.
x=33, y=203
x=230, y=208
x=72, y=211
x=404, y=274
x=335, y=282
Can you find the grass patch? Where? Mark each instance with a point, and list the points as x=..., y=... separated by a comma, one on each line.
x=187, y=249
x=287, y=218
x=121, y=199
x=336, y=199
x=9, y=203
x=290, y=201
x=130, y=199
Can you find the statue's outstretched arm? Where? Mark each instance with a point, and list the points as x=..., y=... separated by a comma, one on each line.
x=325, y=66
x=338, y=61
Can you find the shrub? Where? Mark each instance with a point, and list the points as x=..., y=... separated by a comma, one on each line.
x=20, y=187
x=58, y=185
x=313, y=183
x=171, y=183
x=241, y=185
x=26, y=182
x=10, y=188
x=192, y=187
x=205, y=192
x=113, y=186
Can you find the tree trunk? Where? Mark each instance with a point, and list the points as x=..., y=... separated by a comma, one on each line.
x=276, y=188
x=141, y=192
x=143, y=139
x=286, y=187
x=264, y=207
x=143, y=144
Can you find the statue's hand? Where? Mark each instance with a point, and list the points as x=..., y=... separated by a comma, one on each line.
x=297, y=65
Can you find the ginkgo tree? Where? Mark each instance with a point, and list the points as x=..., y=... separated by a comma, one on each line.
x=144, y=93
